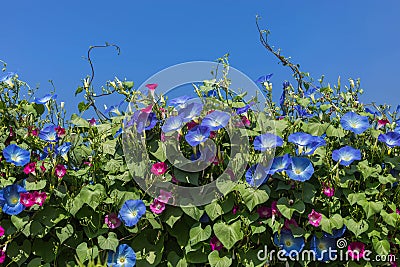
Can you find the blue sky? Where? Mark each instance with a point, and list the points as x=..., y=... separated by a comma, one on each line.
x=358, y=39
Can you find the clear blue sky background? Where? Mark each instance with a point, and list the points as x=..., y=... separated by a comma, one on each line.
x=44, y=40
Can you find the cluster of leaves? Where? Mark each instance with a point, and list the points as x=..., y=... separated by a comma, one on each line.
x=73, y=226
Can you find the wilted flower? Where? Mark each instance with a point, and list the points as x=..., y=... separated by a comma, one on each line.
x=112, y=220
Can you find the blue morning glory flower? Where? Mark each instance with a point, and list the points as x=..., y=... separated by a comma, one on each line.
x=16, y=155
x=118, y=133
x=43, y=100
x=9, y=199
x=46, y=151
x=289, y=244
x=346, y=155
x=324, y=248
x=303, y=113
x=63, y=149
x=197, y=135
x=174, y=123
x=280, y=164
x=180, y=102
x=124, y=256
x=132, y=211
x=375, y=113
x=216, y=120
x=267, y=141
x=49, y=134
x=355, y=123
x=244, y=109
x=307, y=143
x=8, y=76
x=114, y=108
x=144, y=121
x=336, y=233
x=301, y=169
x=264, y=78
x=391, y=139
x=212, y=93
x=204, y=218
x=191, y=111
x=256, y=175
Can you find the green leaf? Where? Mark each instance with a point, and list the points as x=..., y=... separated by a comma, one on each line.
x=171, y=215
x=371, y=208
x=332, y=131
x=381, y=247
x=390, y=218
x=287, y=209
x=214, y=210
x=63, y=233
x=198, y=234
x=356, y=198
x=109, y=243
x=78, y=121
x=193, y=212
x=82, y=106
x=109, y=147
x=79, y=90
x=36, y=185
x=128, y=84
x=387, y=179
x=216, y=261
x=356, y=227
x=228, y=234
x=17, y=253
x=251, y=196
x=328, y=224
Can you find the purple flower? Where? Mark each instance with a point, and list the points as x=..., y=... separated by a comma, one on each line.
x=174, y=123
x=216, y=120
x=191, y=111
x=215, y=244
x=197, y=135
x=391, y=139
x=181, y=101
x=346, y=155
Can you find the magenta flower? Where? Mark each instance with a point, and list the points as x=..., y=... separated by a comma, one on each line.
x=235, y=209
x=398, y=211
x=174, y=180
x=147, y=109
x=328, y=191
x=30, y=168
x=26, y=199
x=356, y=250
x=92, y=122
x=190, y=125
x=164, y=196
x=245, y=121
x=264, y=212
x=42, y=167
x=274, y=208
x=1, y=231
x=290, y=222
x=215, y=244
x=152, y=86
x=60, y=131
x=60, y=171
x=2, y=256
x=382, y=123
x=159, y=168
x=112, y=220
x=157, y=206
x=38, y=198
x=314, y=218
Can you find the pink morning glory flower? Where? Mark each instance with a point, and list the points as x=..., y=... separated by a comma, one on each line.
x=26, y=199
x=60, y=171
x=147, y=109
x=314, y=218
x=112, y=220
x=164, y=196
x=356, y=250
x=1, y=230
x=30, y=168
x=215, y=244
x=235, y=209
x=42, y=167
x=382, y=123
x=328, y=191
x=290, y=222
x=38, y=198
x=398, y=211
x=152, y=86
x=159, y=168
x=157, y=206
x=92, y=122
x=60, y=131
x=2, y=256
x=274, y=208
